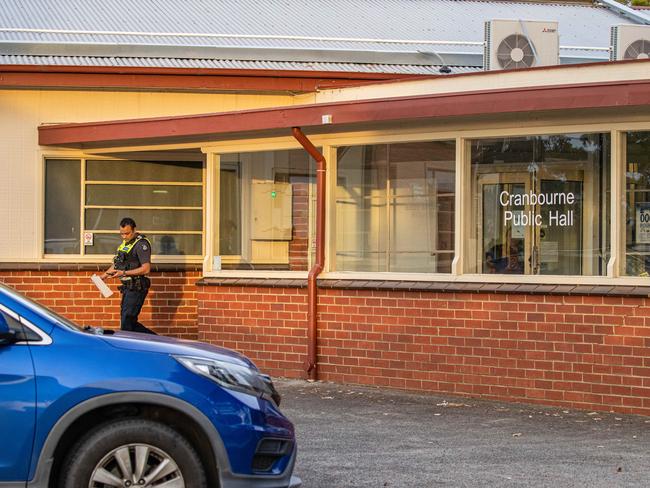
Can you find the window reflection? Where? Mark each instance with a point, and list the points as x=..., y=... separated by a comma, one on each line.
x=395, y=207
x=637, y=250
x=540, y=205
x=165, y=198
x=62, y=206
x=266, y=210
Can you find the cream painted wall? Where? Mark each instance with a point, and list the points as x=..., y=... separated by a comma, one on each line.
x=22, y=111
x=494, y=80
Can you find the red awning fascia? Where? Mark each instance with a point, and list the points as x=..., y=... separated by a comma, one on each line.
x=185, y=79
x=203, y=127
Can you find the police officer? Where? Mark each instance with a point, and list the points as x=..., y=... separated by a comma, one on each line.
x=131, y=264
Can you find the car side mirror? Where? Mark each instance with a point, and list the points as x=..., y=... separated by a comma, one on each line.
x=8, y=338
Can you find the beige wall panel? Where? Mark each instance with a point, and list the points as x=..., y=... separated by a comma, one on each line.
x=492, y=80
x=80, y=106
x=270, y=252
x=20, y=176
x=22, y=111
x=271, y=211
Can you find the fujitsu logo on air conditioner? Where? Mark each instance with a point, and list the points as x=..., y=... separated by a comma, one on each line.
x=512, y=44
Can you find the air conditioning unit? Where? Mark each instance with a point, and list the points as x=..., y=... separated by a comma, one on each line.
x=630, y=42
x=512, y=44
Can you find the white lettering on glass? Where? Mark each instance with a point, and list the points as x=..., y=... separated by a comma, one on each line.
x=530, y=218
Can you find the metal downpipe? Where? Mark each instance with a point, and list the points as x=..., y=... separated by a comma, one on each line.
x=312, y=288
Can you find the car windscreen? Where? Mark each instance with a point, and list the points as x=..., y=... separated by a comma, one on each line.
x=38, y=308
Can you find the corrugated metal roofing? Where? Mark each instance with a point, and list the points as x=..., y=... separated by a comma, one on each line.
x=315, y=27
x=377, y=19
x=227, y=64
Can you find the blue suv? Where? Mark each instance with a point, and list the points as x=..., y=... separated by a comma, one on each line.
x=93, y=408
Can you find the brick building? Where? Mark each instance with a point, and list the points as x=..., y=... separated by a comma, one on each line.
x=482, y=232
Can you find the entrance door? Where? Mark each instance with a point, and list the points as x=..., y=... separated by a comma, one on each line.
x=560, y=239
x=531, y=221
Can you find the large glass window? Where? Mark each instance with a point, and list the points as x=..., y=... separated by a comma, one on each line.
x=637, y=236
x=266, y=210
x=540, y=205
x=395, y=207
x=62, y=209
x=165, y=198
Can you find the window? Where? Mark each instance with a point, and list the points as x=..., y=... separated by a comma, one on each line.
x=62, y=208
x=230, y=209
x=637, y=235
x=395, y=207
x=22, y=333
x=89, y=198
x=540, y=205
x=266, y=210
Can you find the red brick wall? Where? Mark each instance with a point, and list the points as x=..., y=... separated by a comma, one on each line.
x=581, y=351
x=266, y=324
x=170, y=307
x=590, y=352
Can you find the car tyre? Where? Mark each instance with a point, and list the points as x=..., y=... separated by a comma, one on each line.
x=142, y=446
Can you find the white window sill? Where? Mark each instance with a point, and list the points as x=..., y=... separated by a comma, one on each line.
x=489, y=278
x=235, y=273
x=431, y=277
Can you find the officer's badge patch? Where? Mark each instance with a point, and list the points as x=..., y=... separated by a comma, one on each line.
x=144, y=248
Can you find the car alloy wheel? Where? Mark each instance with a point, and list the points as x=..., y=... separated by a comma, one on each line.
x=137, y=466
x=135, y=453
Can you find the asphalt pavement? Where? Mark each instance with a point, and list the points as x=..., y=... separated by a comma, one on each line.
x=351, y=436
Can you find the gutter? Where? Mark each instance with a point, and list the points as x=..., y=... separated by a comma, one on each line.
x=400, y=55
x=194, y=80
x=317, y=268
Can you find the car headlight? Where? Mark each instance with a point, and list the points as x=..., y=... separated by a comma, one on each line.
x=232, y=376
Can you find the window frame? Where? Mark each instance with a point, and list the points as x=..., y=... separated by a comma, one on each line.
x=463, y=132
x=389, y=201
x=212, y=225
x=589, y=211
x=615, y=161
x=623, y=254
x=82, y=256
x=463, y=137
x=44, y=339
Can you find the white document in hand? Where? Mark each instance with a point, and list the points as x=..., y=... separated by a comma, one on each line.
x=101, y=286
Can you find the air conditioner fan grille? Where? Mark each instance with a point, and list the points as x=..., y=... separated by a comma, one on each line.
x=639, y=49
x=515, y=51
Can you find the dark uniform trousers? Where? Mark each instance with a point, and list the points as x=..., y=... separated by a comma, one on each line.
x=132, y=301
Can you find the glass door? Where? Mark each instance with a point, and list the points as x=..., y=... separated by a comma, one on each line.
x=560, y=238
x=505, y=240
x=531, y=222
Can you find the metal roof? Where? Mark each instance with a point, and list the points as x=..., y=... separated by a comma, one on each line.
x=400, y=36
x=136, y=62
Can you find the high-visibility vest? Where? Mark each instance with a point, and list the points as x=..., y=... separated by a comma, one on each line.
x=124, y=260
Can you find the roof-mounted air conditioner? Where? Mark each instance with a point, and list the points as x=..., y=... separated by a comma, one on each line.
x=630, y=42
x=511, y=44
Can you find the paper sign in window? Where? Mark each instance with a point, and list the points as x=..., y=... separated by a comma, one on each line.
x=271, y=212
x=643, y=223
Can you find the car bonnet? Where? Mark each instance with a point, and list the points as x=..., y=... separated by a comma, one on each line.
x=134, y=341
